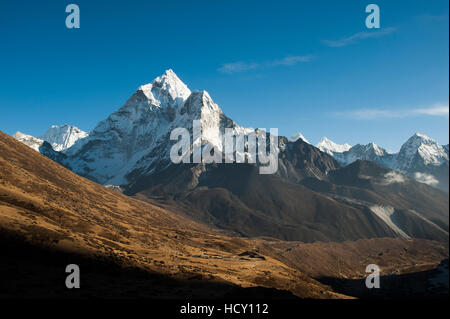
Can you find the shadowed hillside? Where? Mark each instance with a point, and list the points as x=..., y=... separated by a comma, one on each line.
x=50, y=217
x=45, y=206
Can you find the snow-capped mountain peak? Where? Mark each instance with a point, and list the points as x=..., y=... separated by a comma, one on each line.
x=135, y=139
x=296, y=136
x=421, y=148
x=376, y=149
x=329, y=147
x=62, y=137
x=421, y=136
x=166, y=90
x=368, y=152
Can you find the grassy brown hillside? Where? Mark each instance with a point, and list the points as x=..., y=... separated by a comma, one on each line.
x=51, y=217
x=46, y=209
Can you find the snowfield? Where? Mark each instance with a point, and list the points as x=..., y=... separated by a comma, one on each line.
x=385, y=214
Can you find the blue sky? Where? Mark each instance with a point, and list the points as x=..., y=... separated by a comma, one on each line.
x=308, y=66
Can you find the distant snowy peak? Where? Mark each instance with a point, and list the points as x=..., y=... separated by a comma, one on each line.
x=420, y=157
x=329, y=147
x=374, y=149
x=369, y=152
x=41, y=146
x=31, y=141
x=296, y=136
x=63, y=137
x=420, y=149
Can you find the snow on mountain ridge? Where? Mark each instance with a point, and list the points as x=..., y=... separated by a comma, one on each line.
x=31, y=141
x=369, y=152
x=62, y=137
x=420, y=148
x=329, y=147
x=376, y=149
x=166, y=90
x=135, y=139
x=420, y=157
x=296, y=136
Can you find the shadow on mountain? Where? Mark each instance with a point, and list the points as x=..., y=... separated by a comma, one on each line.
x=30, y=271
x=237, y=198
x=59, y=157
x=420, y=210
x=429, y=284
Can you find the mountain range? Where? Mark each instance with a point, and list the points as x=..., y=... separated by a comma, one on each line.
x=330, y=147
x=329, y=192
x=420, y=157
x=114, y=195
x=50, y=217
x=121, y=146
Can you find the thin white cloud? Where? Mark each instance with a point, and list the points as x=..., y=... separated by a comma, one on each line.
x=373, y=114
x=357, y=37
x=437, y=110
x=236, y=67
x=291, y=60
x=241, y=66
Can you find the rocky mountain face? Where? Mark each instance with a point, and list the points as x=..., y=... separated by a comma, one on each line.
x=299, y=160
x=397, y=199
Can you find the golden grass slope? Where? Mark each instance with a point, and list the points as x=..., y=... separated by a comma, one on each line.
x=50, y=206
